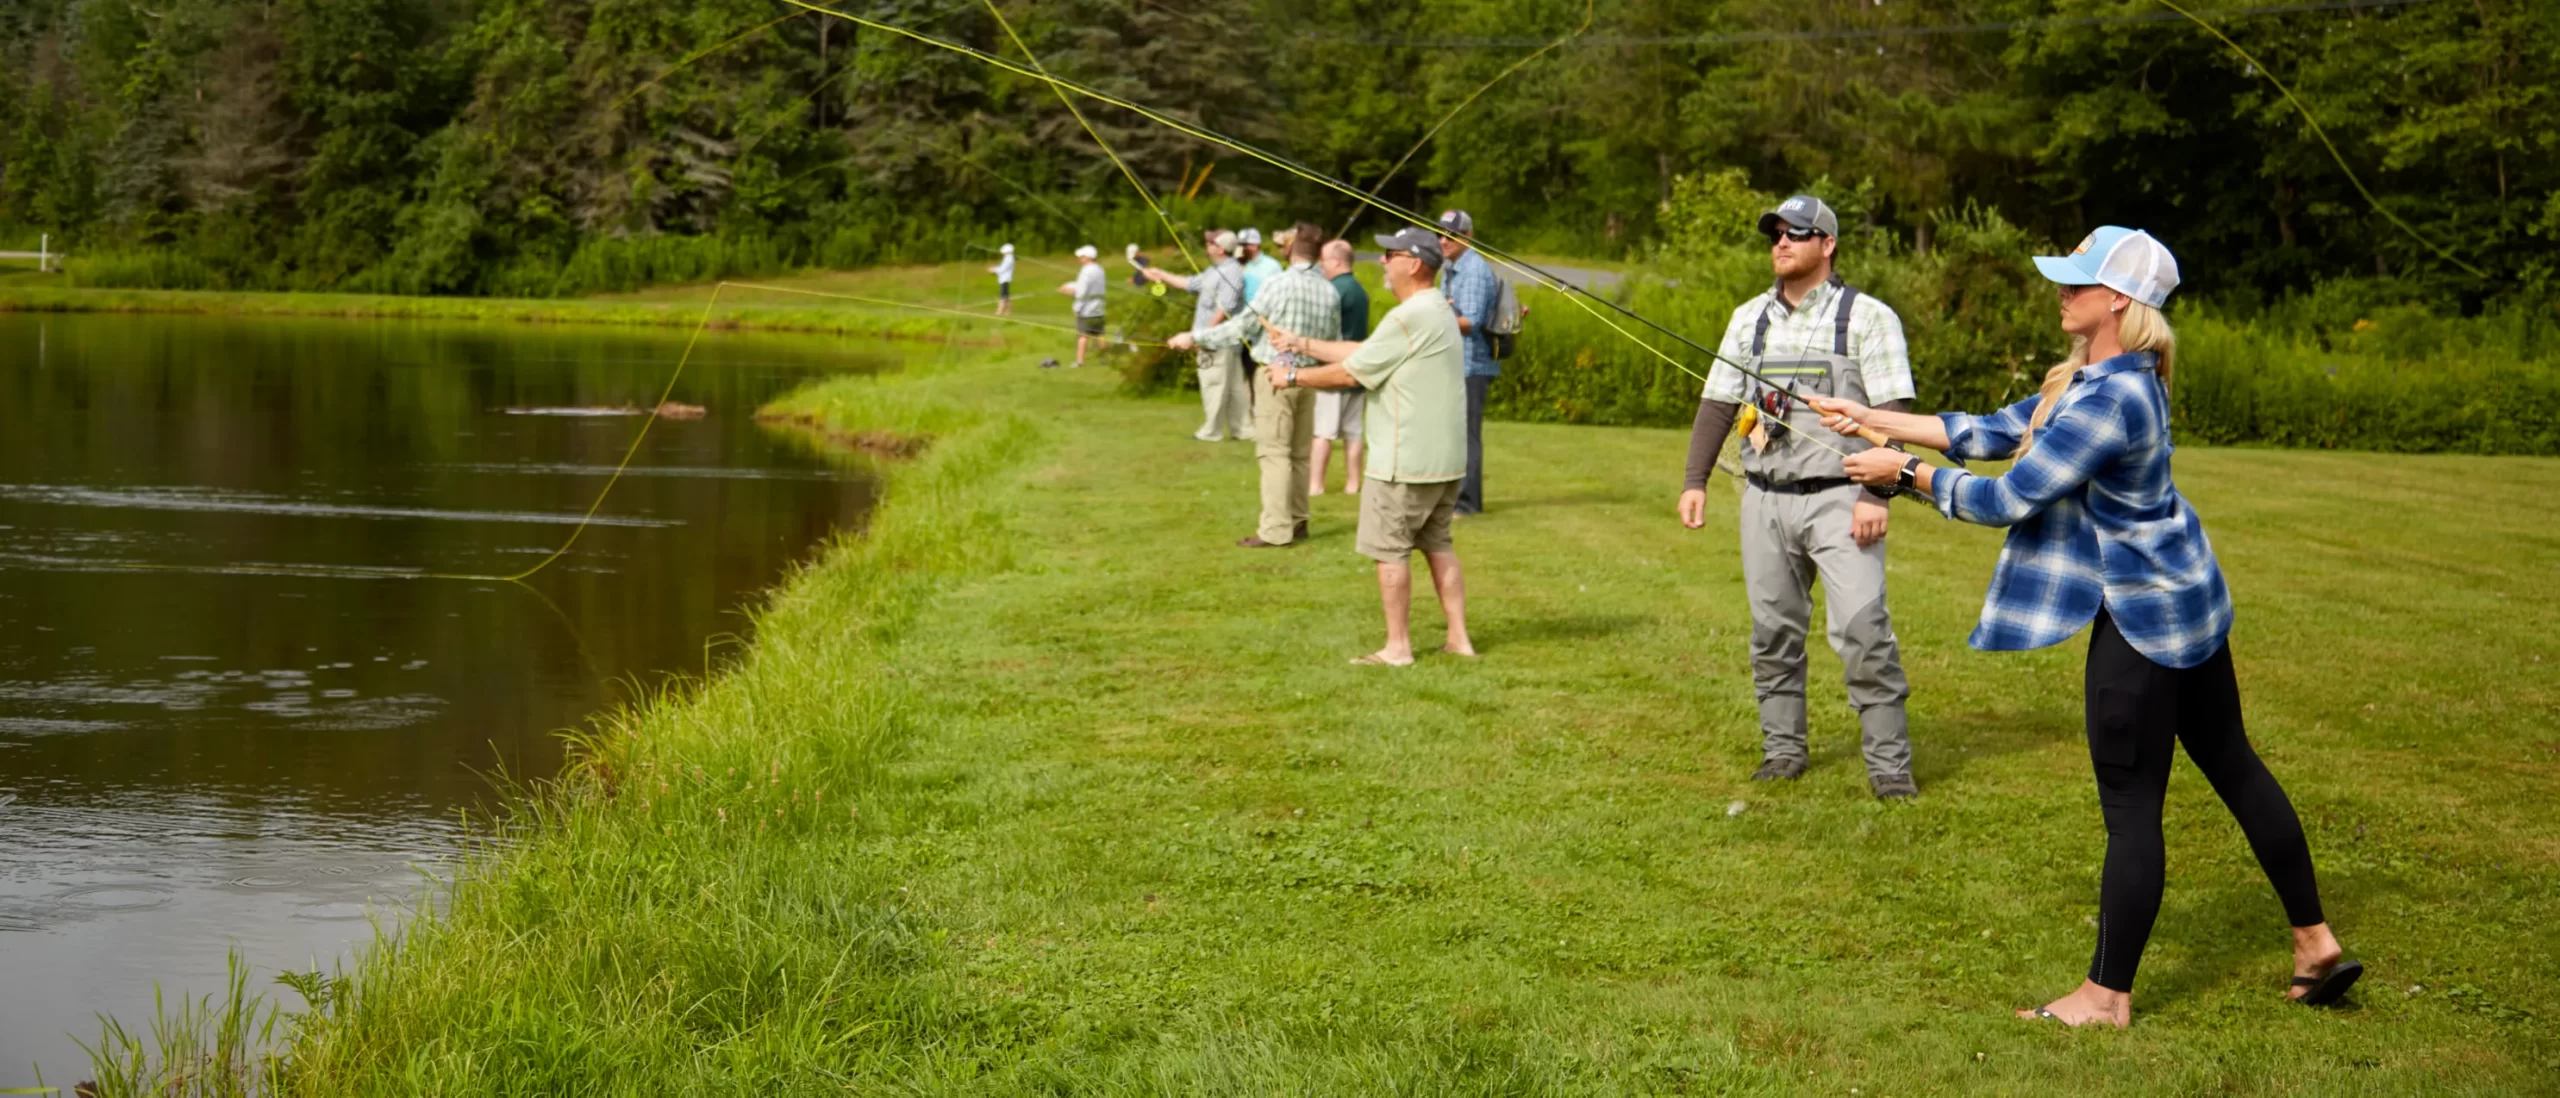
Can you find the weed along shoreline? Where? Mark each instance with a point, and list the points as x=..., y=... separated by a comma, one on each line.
x=1036, y=785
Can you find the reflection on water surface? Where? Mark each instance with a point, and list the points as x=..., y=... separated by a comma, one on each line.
x=205, y=744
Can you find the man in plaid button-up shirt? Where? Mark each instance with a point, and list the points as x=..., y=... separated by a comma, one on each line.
x=1298, y=300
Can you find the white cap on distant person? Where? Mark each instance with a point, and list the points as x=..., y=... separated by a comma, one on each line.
x=2128, y=261
x=1225, y=240
x=1087, y=252
x=1249, y=236
x=1007, y=249
x=1131, y=252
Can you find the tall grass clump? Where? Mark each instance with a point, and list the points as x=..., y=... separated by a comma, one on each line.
x=217, y=1046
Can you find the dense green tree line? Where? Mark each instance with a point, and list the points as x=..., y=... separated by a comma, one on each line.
x=545, y=146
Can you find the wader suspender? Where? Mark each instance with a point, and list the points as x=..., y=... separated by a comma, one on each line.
x=1839, y=323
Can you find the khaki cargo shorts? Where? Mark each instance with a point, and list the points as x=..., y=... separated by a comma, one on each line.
x=1397, y=519
x=1338, y=414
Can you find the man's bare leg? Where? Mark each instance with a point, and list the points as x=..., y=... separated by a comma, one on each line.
x=1352, y=454
x=1395, y=593
x=1316, y=459
x=1450, y=582
x=1080, y=349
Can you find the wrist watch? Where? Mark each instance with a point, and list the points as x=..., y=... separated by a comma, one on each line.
x=1290, y=381
x=1909, y=480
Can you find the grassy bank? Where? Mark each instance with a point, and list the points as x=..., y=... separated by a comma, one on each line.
x=1041, y=787
x=948, y=286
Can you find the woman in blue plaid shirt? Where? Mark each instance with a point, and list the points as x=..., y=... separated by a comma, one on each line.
x=2098, y=533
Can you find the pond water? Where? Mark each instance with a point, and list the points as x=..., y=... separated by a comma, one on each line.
x=201, y=749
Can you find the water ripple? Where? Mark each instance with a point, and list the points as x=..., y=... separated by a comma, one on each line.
x=213, y=500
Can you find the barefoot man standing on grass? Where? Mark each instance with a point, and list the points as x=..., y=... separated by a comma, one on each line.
x=1414, y=373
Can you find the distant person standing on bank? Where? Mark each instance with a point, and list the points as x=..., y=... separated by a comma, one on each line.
x=1225, y=405
x=1003, y=270
x=1296, y=300
x=1467, y=281
x=1338, y=411
x=1801, y=516
x=1416, y=379
x=1087, y=290
x=1257, y=266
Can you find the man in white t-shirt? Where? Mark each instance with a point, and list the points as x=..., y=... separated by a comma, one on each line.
x=1087, y=291
x=1003, y=270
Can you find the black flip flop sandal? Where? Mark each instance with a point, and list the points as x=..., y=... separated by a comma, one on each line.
x=2331, y=986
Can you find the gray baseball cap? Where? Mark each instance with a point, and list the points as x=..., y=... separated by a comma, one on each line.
x=1803, y=211
x=1457, y=221
x=1422, y=242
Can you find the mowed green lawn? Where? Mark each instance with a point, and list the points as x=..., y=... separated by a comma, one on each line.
x=1044, y=787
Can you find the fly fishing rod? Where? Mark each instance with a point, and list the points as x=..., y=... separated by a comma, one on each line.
x=1572, y=292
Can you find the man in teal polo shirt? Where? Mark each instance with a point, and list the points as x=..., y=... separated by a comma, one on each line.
x=1338, y=412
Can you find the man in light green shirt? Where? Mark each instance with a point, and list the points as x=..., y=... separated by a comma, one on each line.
x=1415, y=374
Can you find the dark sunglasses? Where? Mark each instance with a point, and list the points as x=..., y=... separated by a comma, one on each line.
x=1797, y=235
x=1383, y=258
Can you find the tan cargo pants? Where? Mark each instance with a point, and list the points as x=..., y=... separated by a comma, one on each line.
x=1284, y=437
x=1225, y=405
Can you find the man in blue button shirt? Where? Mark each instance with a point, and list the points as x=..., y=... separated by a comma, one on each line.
x=1467, y=281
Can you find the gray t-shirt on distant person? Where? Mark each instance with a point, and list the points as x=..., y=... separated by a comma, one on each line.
x=1090, y=283
x=1221, y=290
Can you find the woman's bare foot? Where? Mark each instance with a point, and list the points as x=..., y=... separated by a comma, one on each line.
x=1316, y=489
x=1385, y=658
x=1458, y=650
x=2090, y=1003
x=2315, y=950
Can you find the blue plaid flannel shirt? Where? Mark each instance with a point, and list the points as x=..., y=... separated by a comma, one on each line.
x=1468, y=283
x=2092, y=516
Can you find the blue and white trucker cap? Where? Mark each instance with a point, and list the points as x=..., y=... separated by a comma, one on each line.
x=2128, y=261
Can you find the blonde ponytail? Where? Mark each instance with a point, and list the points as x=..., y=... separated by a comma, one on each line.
x=2142, y=329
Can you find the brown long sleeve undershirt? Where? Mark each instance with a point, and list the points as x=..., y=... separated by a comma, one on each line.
x=1715, y=421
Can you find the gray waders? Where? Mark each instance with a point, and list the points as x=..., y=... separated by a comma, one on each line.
x=1796, y=517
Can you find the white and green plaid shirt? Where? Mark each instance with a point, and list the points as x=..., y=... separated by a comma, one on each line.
x=1300, y=301
x=1875, y=341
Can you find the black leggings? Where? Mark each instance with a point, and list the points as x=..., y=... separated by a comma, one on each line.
x=2135, y=709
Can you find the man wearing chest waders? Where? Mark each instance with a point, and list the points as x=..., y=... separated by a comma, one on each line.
x=1817, y=336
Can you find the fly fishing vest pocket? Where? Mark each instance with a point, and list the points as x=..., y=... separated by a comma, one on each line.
x=1789, y=455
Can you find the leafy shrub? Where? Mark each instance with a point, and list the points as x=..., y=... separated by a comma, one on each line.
x=2355, y=365
x=1151, y=320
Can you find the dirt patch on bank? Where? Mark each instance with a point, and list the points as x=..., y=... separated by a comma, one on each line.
x=888, y=444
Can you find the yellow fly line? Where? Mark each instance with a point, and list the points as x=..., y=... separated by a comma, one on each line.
x=1588, y=6
x=1041, y=72
x=1346, y=190
x=2254, y=66
x=699, y=54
